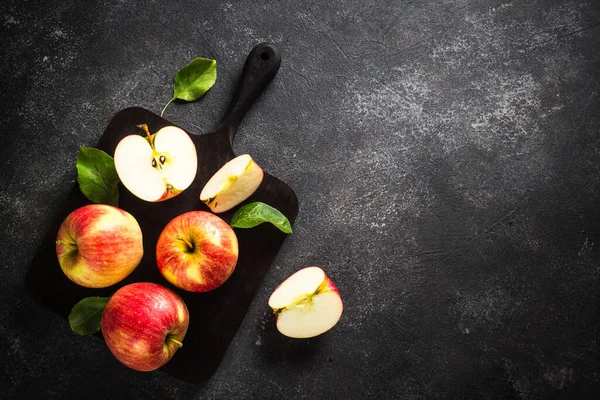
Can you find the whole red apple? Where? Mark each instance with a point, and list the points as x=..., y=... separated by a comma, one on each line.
x=99, y=245
x=197, y=251
x=144, y=324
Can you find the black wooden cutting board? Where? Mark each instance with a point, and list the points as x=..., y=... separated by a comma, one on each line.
x=214, y=316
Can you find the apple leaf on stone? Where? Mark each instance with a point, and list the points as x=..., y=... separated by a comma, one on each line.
x=256, y=213
x=86, y=316
x=97, y=176
x=193, y=80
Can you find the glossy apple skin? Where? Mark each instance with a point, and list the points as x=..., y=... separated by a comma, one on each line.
x=98, y=245
x=209, y=263
x=139, y=323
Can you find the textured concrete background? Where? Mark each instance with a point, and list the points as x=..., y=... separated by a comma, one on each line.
x=446, y=155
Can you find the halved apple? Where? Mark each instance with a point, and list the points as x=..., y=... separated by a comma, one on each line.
x=306, y=304
x=159, y=166
x=232, y=184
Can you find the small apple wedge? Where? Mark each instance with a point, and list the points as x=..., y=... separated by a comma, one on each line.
x=306, y=304
x=159, y=166
x=232, y=184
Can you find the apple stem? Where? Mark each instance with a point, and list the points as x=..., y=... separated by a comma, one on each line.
x=66, y=242
x=167, y=105
x=144, y=127
x=170, y=339
x=187, y=242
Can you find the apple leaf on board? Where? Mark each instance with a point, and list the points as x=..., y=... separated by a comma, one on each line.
x=193, y=80
x=256, y=213
x=85, y=317
x=97, y=176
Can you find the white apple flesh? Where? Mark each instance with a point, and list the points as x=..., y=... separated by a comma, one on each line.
x=237, y=180
x=306, y=304
x=159, y=166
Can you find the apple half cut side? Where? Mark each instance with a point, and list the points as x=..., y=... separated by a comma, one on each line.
x=159, y=166
x=306, y=304
x=237, y=180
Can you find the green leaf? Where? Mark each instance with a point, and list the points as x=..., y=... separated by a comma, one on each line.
x=256, y=213
x=193, y=80
x=97, y=176
x=86, y=316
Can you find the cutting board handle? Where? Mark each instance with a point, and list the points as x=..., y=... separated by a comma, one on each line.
x=260, y=68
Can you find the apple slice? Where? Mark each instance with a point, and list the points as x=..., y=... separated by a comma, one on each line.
x=159, y=166
x=306, y=304
x=232, y=184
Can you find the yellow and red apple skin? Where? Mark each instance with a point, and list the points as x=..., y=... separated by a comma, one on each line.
x=211, y=259
x=144, y=324
x=169, y=194
x=328, y=286
x=98, y=245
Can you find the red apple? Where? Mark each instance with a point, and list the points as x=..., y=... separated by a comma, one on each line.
x=99, y=245
x=144, y=324
x=197, y=251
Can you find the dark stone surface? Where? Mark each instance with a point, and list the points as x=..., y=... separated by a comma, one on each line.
x=446, y=156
